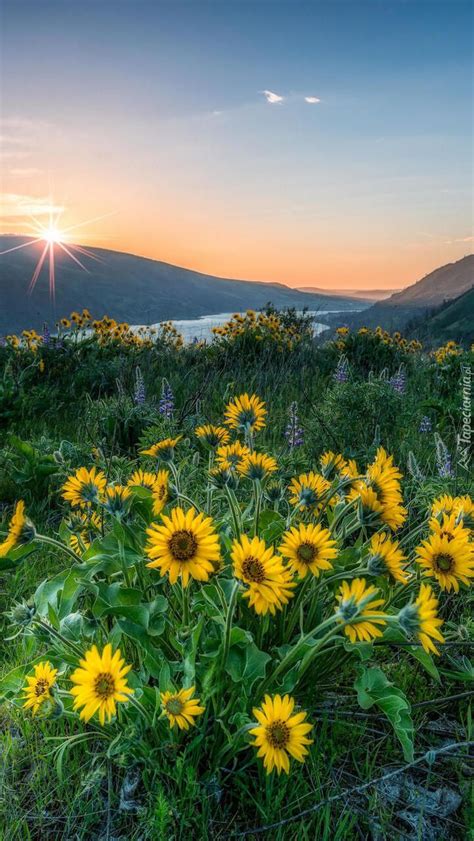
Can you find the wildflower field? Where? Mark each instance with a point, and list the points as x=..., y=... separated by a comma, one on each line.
x=235, y=583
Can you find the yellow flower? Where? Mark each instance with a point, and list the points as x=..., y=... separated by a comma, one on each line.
x=231, y=454
x=461, y=506
x=181, y=708
x=358, y=607
x=212, y=435
x=269, y=582
x=448, y=559
x=117, y=498
x=85, y=530
x=419, y=619
x=280, y=732
x=65, y=322
x=385, y=556
x=142, y=479
x=20, y=530
x=384, y=478
x=159, y=492
x=342, y=331
x=308, y=547
x=450, y=526
x=246, y=413
x=256, y=466
x=163, y=449
x=332, y=464
x=84, y=487
x=185, y=546
x=100, y=683
x=309, y=491
x=37, y=689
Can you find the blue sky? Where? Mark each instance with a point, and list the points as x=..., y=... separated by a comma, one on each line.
x=157, y=111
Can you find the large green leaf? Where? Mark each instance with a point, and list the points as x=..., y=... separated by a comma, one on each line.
x=373, y=688
x=246, y=664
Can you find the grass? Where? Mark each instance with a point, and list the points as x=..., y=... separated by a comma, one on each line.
x=84, y=399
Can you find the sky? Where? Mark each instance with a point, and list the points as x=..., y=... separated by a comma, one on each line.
x=323, y=144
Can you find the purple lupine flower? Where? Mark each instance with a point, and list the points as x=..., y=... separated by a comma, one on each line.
x=341, y=374
x=425, y=425
x=398, y=381
x=294, y=432
x=3, y=341
x=166, y=405
x=443, y=459
x=139, y=395
x=46, y=335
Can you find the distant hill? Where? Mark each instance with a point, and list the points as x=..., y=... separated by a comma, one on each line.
x=443, y=284
x=451, y=320
x=133, y=289
x=360, y=294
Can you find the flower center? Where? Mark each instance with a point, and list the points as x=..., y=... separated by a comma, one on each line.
x=104, y=685
x=41, y=687
x=443, y=562
x=307, y=553
x=174, y=706
x=278, y=734
x=183, y=545
x=253, y=570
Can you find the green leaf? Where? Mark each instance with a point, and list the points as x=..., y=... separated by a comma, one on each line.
x=373, y=688
x=59, y=592
x=246, y=665
x=416, y=651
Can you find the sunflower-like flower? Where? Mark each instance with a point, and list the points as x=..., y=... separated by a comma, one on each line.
x=358, y=607
x=308, y=548
x=385, y=556
x=461, y=506
x=142, y=479
x=332, y=464
x=38, y=686
x=384, y=478
x=448, y=559
x=185, y=546
x=181, y=708
x=84, y=528
x=160, y=489
x=230, y=454
x=450, y=526
x=256, y=466
x=420, y=620
x=20, y=530
x=245, y=413
x=117, y=499
x=269, y=583
x=309, y=491
x=163, y=449
x=100, y=683
x=85, y=487
x=213, y=436
x=280, y=733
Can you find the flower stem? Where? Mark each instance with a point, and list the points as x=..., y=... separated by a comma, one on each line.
x=50, y=541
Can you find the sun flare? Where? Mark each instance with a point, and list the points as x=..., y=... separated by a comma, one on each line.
x=53, y=235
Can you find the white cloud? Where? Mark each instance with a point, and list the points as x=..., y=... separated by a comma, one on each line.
x=18, y=205
x=312, y=100
x=272, y=98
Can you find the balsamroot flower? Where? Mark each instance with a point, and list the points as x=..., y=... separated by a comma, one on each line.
x=332, y=465
x=181, y=708
x=419, y=620
x=461, y=506
x=280, y=733
x=38, y=686
x=308, y=548
x=386, y=557
x=229, y=455
x=256, y=466
x=211, y=435
x=84, y=527
x=448, y=556
x=20, y=530
x=185, y=546
x=269, y=583
x=117, y=499
x=309, y=491
x=163, y=449
x=245, y=413
x=357, y=606
x=100, y=683
x=85, y=487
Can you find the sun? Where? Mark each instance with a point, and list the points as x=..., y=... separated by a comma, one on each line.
x=53, y=236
